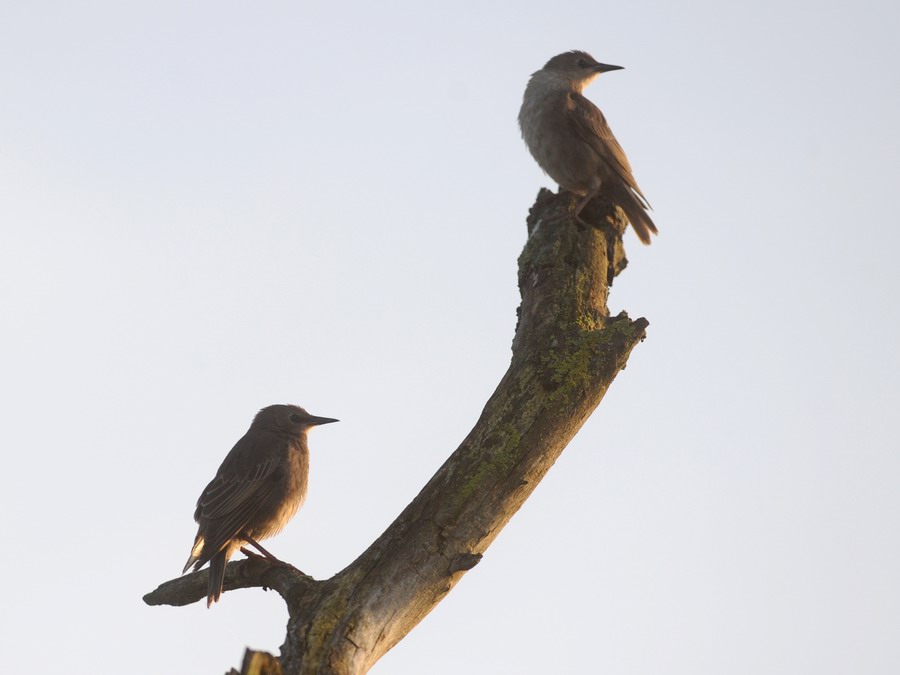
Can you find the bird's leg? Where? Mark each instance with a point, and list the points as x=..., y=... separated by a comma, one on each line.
x=583, y=202
x=574, y=207
x=265, y=554
x=255, y=544
x=579, y=207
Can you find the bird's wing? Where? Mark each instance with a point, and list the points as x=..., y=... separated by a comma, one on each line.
x=228, y=493
x=234, y=496
x=589, y=123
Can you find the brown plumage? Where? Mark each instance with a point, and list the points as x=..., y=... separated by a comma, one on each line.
x=571, y=141
x=256, y=491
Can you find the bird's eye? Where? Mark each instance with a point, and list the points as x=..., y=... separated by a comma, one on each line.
x=581, y=63
x=296, y=419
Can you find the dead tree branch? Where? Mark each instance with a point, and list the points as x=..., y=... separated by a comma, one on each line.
x=566, y=352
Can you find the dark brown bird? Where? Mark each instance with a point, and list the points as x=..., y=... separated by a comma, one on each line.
x=571, y=141
x=256, y=491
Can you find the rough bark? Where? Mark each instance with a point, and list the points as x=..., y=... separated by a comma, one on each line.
x=566, y=353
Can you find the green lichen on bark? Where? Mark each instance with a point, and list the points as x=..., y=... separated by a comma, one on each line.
x=589, y=355
x=571, y=372
x=496, y=461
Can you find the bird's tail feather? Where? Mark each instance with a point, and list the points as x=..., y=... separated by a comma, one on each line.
x=636, y=212
x=216, y=578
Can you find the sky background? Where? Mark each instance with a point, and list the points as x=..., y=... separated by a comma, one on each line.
x=210, y=207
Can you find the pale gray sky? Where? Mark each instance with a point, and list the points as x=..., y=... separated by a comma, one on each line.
x=210, y=207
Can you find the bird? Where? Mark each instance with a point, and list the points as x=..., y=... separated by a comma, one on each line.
x=569, y=138
x=258, y=488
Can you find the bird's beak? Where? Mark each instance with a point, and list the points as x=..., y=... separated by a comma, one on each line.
x=605, y=68
x=314, y=421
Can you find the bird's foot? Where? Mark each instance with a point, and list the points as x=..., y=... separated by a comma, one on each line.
x=253, y=554
x=583, y=224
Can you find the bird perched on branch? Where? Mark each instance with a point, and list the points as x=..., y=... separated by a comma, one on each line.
x=571, y=141
x=256, y=491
